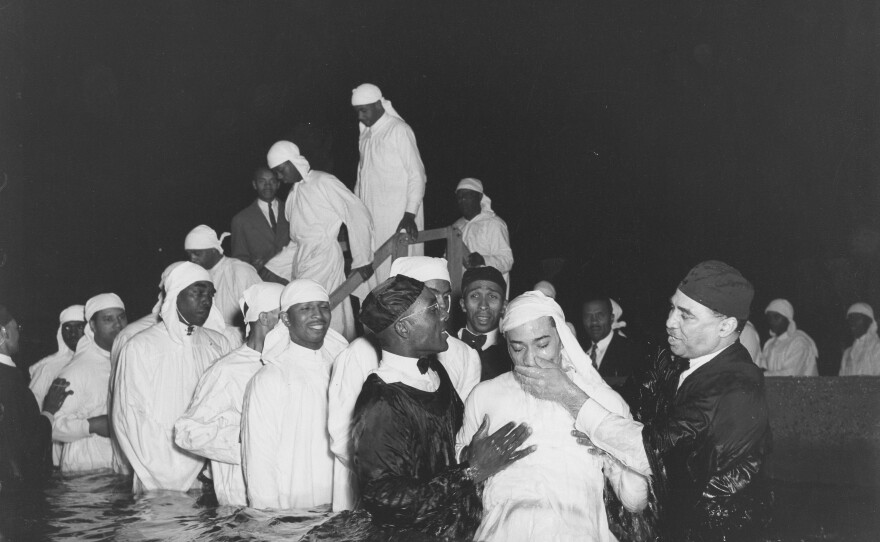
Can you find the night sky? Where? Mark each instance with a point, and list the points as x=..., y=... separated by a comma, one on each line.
x=629, y=139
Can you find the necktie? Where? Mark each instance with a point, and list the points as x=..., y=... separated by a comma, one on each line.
x=272, y=221
x=473, y=340
x=593, y=356
x=423, y=365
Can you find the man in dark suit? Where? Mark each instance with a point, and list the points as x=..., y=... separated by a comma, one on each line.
x=615, y=357
x=260, y=230
x=483, y=299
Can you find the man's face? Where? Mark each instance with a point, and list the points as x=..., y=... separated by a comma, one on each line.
x=266, y=185
x=307, y=323
x=9, y=337
x=106, y=325
x=287, y=173
x=534, y=340
x=483, y=305
x=468, y=202
x=426, y=321
x=442, y=290
x=369, y=114
x=71, y=332
x=194, y=302
x=597, y=319
x=777, y=322
x=858, y=324
x=206, y=257
x=693, y=329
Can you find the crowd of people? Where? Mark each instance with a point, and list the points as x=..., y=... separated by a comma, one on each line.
x=520, y=425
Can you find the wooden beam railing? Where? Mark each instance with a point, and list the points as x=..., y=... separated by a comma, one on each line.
x=396, y=246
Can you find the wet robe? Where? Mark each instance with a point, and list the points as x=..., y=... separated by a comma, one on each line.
x=42, y=374
x=863, y=357
x=231, y=277
x=156, y=377
x=285, y=446
x=211, y=426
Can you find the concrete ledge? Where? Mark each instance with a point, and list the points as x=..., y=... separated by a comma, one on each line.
x=825, y=429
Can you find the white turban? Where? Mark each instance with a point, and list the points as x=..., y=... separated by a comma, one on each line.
x=616, y=313
x=158, y=306
x=533, y=305
x=369, y=94
x=259, y=298
x=94, y=305
x=545, y=288
x=297, y=291
x=73, y=313
x=476, y=185
x=784, y=308
x=284, y=151
x=203, y=237
x=179, y=279
x=421, y=268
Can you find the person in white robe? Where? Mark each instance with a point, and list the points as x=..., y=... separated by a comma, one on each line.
x=231, y=276
x=156, y=377
x=482, y=231
x=211, y=426
x=360, y=359
x=556, y=493
x=285, y=445
x=752, y=341
x=82, y=423
x=316, y=208
x=863, y=357
x=391, y=177
x=789, y=351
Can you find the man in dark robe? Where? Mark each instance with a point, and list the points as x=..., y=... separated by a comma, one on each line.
x=705, y=429
x=483, y=298
x=406, y=419
x=25, y=432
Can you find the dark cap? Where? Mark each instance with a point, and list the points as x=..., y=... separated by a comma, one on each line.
x=719, y=287
x=388, y=301
x=485, y=272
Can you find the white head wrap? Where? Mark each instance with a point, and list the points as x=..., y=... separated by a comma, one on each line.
x=616, y=313
x=476, y=185
x=786, y=309
x=545, y=288
x=865, y=309
x=73, y=313
x=158, y=306
x=369, y=94
x=284, y=151
x=421, y=268
x=297, y=291
x=259, y=298
x=93, y=306
x=179, y=279
x=203, y=237
x=533, y=305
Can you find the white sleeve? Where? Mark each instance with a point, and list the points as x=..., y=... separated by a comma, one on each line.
x=618, y=436
x=496, y=241
x=799, y=360
x=211, y=426
x=629, y=486
x=350, y=370
x=471, y=374
x=71, y=422
x=415, y=170
x=354, y=214
x=260, y=438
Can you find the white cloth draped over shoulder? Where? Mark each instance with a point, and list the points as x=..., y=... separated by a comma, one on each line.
x=211, y=426
x=156, y=377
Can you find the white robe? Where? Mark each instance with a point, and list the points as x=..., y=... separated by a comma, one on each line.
x=285, y=446
x=89, y=376
x=42, y=374
x=487, y=234
x=317, y=207
x=791, y=354
x=350, y=371
x=156, y=377
x=555, y=493
x=390, y=181
x=231, y=277
x=211, y=427
x=863, y=357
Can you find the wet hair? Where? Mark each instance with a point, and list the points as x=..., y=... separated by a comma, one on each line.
x=388, y=301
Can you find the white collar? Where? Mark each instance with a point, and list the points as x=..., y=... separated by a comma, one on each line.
x=696, y=363
x=604, y=342
x=6, y=360
x=491, y=337
x=394, y=368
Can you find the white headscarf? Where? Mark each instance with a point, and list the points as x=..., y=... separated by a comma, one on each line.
x=786, y=309
x=283, y=151
x=546, y=288
x=203, y=237
x=616, y=313
x=421, y=268
x=178, y=280
x=369, y=94
x=476, y=185
x=73, y=313
x=161, y=297
x=533, y=305
x=94, y=305
x=259, y=298
x=866, y=310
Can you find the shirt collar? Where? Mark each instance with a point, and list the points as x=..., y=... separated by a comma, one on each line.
x=6, y=360
x=698, y=362
x=491, y=337
x=604, y=342
x=406, y=366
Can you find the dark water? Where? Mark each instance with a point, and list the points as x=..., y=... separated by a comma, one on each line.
x=101, y=507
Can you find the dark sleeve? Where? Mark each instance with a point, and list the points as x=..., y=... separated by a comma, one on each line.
x=386, y=467
x=25, y=441
x=239, y=240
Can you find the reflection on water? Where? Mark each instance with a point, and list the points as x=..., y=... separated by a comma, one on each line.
x=101, y=507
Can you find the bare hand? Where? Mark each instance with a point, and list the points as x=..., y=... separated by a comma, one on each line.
x=474, y=259
x=584, y=440
x=549, y=382
x=365, y=272
x=100, y=425
x=56, y=395
x=408, y=224
x=490, y=454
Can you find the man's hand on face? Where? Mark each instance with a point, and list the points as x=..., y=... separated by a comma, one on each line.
x=549, y=382
x=474, y=259
x=408, y=224
x=490, y=454
x=55, y=397
x=365, y=272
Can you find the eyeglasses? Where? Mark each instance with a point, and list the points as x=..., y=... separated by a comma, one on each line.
x=435, y=306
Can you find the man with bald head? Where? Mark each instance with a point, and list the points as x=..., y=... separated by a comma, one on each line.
x=260, y=230
x=705, y=429
x=391, y=177
x=156, y=377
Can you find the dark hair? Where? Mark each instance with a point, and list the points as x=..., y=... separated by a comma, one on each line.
x=602, y=299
